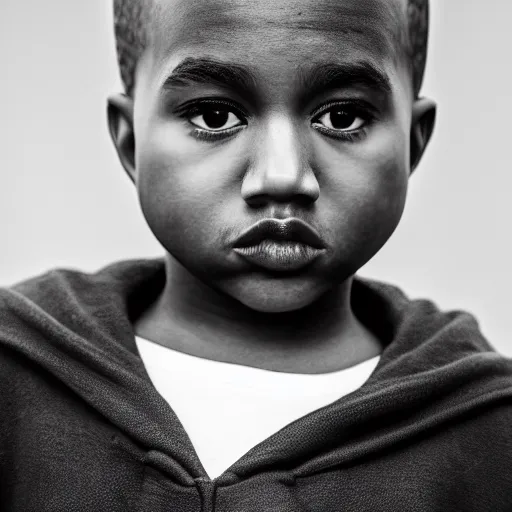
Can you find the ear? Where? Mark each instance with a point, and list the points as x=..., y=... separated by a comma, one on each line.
x=422, y=126
x=120, y=122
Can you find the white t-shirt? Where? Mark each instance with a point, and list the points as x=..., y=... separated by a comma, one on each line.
x=227, y=409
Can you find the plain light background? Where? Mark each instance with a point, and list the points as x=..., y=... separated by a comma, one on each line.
x=65, y=200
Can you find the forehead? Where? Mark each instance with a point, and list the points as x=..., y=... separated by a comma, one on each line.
x=260, y=32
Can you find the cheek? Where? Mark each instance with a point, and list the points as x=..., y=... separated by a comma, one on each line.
x=384, y=162
x=388, y=176
x=367, y=182
x=182, y=183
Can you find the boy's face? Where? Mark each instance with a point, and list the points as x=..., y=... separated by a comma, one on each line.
x=273, y=110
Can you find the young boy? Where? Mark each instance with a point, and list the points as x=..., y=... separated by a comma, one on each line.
x=271, y=145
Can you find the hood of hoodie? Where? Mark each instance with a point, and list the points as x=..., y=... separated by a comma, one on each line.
x=436, y=368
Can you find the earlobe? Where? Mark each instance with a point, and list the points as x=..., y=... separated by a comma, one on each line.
x=422, y=126
x=120, y=121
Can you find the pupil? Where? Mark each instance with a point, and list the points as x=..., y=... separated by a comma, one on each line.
x=341, y=119
x=216, y=118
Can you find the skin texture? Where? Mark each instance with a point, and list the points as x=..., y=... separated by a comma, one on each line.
x=199, y=195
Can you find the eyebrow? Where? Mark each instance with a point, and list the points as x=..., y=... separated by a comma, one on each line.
x=203, y=71
x=313, y=80
x=329, y=76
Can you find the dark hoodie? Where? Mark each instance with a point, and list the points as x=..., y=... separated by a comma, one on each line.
x=83, y=429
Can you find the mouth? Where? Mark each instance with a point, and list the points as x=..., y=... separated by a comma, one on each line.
x=280, y=245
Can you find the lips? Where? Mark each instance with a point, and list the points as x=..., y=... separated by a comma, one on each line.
x=289, y=230
x=280, y=245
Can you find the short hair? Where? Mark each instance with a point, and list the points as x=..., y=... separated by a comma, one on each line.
x=132, y=17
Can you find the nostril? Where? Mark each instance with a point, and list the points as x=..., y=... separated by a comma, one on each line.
x=257, y=201
x=305, y=200
x=265, y=200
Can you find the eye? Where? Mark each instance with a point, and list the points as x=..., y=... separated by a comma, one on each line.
x=341, y=119
x=215, y=118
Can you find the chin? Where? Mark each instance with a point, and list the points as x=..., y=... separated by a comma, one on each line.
x=278, y=300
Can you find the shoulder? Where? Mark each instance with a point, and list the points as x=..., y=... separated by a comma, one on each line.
x=66, y=310
x=32, y=309
x=61, y=291
x=48, y=295
x=484, y=443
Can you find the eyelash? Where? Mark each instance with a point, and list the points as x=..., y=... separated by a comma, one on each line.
x=194, y=108
x=356, y=107
x=359, y=108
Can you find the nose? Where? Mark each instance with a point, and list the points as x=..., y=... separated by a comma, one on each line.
x=279, y=169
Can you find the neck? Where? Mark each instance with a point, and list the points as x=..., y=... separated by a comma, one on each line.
x=192, y=317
